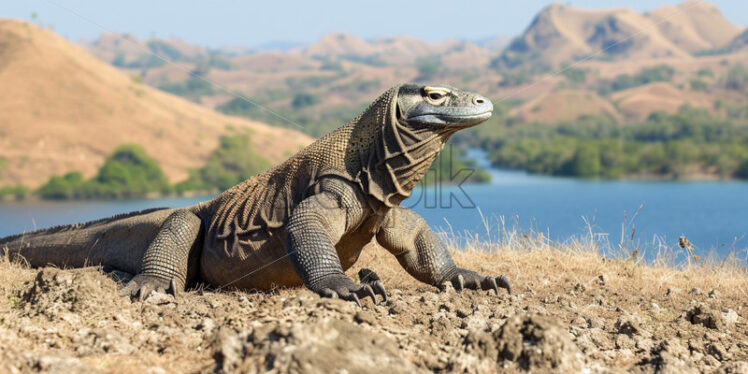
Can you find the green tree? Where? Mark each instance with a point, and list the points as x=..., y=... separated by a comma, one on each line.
x=128, y=172
x=742, y=171
x=303, y=99
x=232, y=162
x=736, y=78
x=62, y=187
x=585, y=163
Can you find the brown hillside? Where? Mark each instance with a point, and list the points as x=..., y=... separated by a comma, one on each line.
x=694, y=25
x=65, y=110
x=334, y=44
x=126, y=48
x=740, y=42
x=565, y=105
x=561, y=33
x=639, y=102
x=400, y=50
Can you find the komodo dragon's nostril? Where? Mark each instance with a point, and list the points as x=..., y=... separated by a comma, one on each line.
x=479, y=100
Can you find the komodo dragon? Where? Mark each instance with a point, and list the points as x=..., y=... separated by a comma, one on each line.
x=304, y=221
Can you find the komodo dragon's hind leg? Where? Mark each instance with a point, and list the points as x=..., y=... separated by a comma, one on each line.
x=171, y=259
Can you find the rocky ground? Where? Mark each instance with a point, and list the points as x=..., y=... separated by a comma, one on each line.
x=570, y=312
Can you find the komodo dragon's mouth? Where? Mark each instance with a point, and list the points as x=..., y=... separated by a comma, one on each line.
x=455, y=117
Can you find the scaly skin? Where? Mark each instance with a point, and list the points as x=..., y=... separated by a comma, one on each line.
x=302, y=222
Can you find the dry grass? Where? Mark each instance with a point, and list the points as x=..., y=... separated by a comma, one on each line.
x=570, y=281
x=531, y=260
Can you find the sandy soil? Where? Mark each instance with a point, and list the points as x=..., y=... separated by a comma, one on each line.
x=571, y=311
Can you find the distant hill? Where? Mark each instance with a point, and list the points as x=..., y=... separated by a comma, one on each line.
x=65, y=110
x=401, y=50
x=562, y=33
x=125, y=50
x=694, y=26
x=740, y=42
x=619, y=64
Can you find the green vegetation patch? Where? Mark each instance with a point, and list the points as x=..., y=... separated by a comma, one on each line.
x=593, y=147
x=658, y=73
x=736, y=78
x=574, y=75
x=17, y=192
x=191, y=88
x=128, y=172
x=232, y=162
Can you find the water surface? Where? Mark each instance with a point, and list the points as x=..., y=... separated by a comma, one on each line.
x=713, y=215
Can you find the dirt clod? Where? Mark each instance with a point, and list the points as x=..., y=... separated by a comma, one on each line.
x=700, y=314
x=538, y=342
x=321, y=347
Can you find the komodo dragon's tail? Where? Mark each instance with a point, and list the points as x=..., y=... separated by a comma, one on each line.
x=119, y=241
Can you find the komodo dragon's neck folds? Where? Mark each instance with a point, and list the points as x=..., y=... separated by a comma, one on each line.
x=303, y=222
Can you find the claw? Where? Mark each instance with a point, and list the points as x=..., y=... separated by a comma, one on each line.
x=126, y=291
x=370, y=292
x=378, y=287
x=329, y=293
x=459, y=283
x=355, y=299
x=145, y=290
x=503, y=282
x=489, y=283
x=173, y=288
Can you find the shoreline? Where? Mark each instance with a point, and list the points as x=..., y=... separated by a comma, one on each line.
x=643, y=178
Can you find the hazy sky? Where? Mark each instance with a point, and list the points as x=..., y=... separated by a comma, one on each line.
x=251, y=23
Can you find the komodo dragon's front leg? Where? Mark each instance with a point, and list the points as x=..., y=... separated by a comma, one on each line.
x=170, y=260
x=314, y=228
x=406, y=235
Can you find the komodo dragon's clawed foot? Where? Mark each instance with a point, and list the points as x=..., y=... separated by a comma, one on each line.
x=142, y=285
x=340, y=286
x=474, y=281
x=371, y=278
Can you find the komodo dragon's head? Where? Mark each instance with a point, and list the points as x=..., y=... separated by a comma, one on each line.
x=403, y=131
x=442, y=109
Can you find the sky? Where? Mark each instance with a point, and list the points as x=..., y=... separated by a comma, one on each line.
x=217, y=23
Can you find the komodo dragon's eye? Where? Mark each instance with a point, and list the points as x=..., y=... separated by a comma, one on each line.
x=435, y=95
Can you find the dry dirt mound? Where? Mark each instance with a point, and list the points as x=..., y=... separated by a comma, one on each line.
x=318, y=347
x=569, y=314
x=640, y=102
x=565, y=105
x=69, y=110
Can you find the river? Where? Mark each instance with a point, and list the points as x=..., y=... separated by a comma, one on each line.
x=713, y=215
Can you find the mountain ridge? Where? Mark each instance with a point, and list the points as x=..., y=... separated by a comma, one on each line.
x=69, y=110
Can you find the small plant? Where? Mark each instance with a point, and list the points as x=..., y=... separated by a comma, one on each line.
x=15, y=302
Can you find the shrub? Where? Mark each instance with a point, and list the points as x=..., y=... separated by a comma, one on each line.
x=698, y=85
x=303, y=99
x=742, y=171
x=574, y=75
x=190, y=88
x=62, y=187
x=18, y=191
x=232, y=162
x=128, y=172
x=736, y=78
